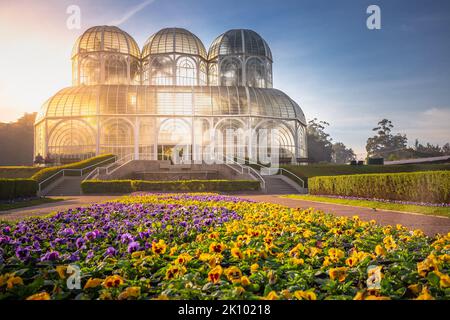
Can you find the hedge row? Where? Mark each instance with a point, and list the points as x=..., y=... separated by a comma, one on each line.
x=48, y=172
x=426, y=186
x=313, y=170
x=14, y=172
x=17, y=188
x=126, y=186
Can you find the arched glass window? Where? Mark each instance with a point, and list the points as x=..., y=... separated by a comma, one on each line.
x=115, y=70
x=71, y=137
x=186, y=72
x=117, y=137
x=90, y=70
x=203, y=77
x=135, y=72
x=230, y=72
x=256, y=73
x=161, y=71
x=212, y=75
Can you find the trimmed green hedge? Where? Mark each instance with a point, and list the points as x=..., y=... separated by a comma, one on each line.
x=427, y=186
x=17, y=188
x=126, y=186
x=14, y=172
x=313, y=170
x=47, y=172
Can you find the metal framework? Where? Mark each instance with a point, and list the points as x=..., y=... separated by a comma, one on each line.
x=127, y=103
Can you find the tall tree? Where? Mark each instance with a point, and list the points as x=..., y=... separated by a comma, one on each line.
x=341, y=154
x=319, y=142
x=385, y=144
x=16, y=141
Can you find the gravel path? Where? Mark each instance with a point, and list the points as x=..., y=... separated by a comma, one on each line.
x=428, y=224
x=70, y=202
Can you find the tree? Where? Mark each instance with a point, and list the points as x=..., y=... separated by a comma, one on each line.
x=446, y=149
x=16, y=141
x=429, y=150
x=341, y=154
x=319, y=142
x=385, y=144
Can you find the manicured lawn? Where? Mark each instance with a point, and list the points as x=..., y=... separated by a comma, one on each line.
x=26, y=203
x=428, y=210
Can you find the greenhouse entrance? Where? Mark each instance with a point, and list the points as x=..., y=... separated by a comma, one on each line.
x=175, y=153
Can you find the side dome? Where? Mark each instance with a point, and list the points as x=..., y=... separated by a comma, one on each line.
x=174, y=40
x=105, y=55
x=106, y=39
x=240, y=57
x=239, y=42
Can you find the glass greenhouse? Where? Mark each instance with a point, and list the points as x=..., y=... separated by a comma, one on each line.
x=124, y=101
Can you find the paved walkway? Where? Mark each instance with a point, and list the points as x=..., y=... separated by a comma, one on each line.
x=428, y=224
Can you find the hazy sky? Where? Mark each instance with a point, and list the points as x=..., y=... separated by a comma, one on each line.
x=325, y=58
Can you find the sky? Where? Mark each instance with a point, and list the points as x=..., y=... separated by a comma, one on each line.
x=325, y=57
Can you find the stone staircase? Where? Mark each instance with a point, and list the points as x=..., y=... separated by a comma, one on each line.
x=66, y=186
x=277, y=185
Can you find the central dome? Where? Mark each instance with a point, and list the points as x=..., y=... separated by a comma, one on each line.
x=174, y=40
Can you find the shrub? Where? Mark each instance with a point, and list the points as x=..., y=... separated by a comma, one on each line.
x=17, y=188
x=126, y=186
x=427, y=186
x=48, y=172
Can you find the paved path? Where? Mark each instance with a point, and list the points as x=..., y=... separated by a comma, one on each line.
x=428, y=224
x=70, y=202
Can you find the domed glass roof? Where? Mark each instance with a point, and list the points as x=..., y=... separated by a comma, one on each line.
x=239, y=41
x=106, y=38
x=169, y=100
x=174, y=40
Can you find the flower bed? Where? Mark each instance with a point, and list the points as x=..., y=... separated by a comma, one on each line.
x=206, y=246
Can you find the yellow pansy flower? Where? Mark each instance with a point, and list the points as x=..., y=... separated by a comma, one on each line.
x=237, y=253
x=216, y=247
x=425, y=295
x=338, y=273
x=233, y=274
x=245, y=281
x=272, y=296
x=93, y=282
x=61, y=270
x=159, y=247
x=113, y=281
x=215, y=273
x=389, y=243
x=183, y=258
x=254, y=268
x=305, y=295
x=175, y=271
x=130, y=292
x=39, y=296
